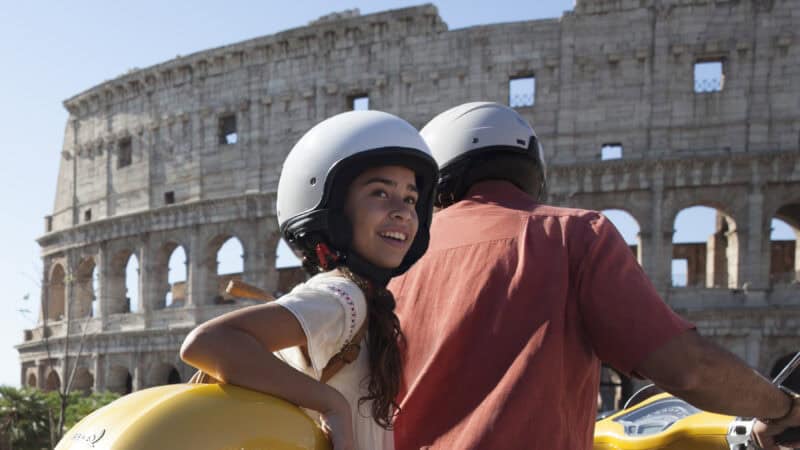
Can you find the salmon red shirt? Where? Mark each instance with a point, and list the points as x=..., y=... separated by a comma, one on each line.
x=507, y=318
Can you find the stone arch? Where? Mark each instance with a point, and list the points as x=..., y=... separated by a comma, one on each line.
x=636, y=204
x=56, y=293
x=224, y=265
x=170, y=275
x=53, y=381
x=163, y=373
x=712, y=260
x=784, y=251
x=84, y=295
x=132, y=280
x=119, y=380
x=284, y=255
x=31, y=381
x=174, y=377
x=83, y=381
x=122, y=294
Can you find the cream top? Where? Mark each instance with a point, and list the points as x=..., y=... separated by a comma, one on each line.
x=330, y=309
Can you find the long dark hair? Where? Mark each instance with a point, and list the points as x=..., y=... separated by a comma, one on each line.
x=384, y=339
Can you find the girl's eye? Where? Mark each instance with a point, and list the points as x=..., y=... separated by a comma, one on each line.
x=411, y=200
x=380, y=193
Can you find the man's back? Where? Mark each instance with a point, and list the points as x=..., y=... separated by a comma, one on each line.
x=505, y=318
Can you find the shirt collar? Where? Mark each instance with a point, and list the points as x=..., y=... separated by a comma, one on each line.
x=498, y=191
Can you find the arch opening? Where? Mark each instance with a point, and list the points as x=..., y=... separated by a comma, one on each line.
x=289, y=268
x=163, y=373
x=56, y=294
x=86, y=285
x=174, y=377
x=228, y=265
x=132, y=275
x=123, y=283
x=52, y=382
x=705, y=249
x=83, y=381
x=119, y=380
x=784, y=267
x=628, y=227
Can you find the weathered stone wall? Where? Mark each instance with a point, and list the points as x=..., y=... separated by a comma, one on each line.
x=145, y=168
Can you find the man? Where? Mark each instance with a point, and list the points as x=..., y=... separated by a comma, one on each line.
x=510, y=312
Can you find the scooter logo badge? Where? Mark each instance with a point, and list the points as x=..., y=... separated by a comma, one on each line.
x=90, y=439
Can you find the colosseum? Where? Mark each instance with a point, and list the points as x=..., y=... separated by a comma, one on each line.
x=185, y=155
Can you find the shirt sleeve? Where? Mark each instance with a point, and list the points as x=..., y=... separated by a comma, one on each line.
x=624, y=316
x=330, y=310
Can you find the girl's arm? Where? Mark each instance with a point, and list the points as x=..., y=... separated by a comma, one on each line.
x=237, y=347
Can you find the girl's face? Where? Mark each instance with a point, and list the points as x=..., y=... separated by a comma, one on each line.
x=381, y=205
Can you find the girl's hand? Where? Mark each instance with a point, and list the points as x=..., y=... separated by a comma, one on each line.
x=337, y=424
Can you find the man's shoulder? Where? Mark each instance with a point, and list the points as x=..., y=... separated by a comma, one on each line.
x=540, y=211
x=565, y=212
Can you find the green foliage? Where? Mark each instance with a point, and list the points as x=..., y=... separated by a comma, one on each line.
x=29, y=416
x=25, y=418
x=81, y=405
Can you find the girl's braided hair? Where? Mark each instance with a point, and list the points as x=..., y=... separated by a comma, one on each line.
x=384, y=339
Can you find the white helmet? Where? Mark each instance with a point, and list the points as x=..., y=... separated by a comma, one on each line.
x=318, y=171
x=472, y=129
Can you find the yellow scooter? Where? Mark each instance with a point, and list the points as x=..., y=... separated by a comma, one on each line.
x=665, y=422
x=662, y=422
x=196, y=417
x=225, y=417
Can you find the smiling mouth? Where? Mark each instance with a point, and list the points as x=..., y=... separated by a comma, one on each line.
x=394, y=235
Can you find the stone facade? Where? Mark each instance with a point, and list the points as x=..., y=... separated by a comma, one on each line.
x=188, y=153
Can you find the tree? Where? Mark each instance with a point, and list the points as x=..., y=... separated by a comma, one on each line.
x=28, y=416
x=25, y=418
x=63, y=395
x=65, y=389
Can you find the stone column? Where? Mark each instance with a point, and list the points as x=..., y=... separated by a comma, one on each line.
x=757, y=251
x=197, y=274
x=255, y=255
x=69, y=285
x=41, y=371
x=716, y=259
x=151, y=276
x=138, y=372
x=148, y=279
x=272, y=238
x=737, y=240
x=796, y=274
x=99, y=372
x=45, y=296
x=660, y=262
x=103, y=269
x=645, y=250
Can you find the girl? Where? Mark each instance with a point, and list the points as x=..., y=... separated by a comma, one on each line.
x=355, y=200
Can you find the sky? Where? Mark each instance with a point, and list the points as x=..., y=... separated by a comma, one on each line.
x=51, y=51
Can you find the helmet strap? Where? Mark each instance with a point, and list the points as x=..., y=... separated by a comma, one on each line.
x=366, y=269
x=327, y=259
